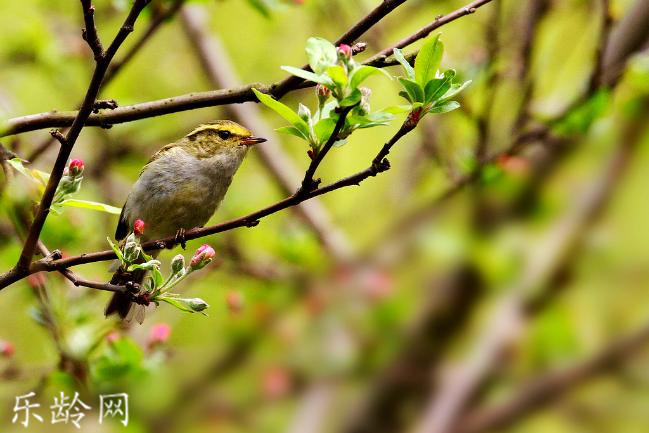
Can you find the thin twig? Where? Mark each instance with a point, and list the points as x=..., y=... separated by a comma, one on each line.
x=308, y=183
x=89, y=33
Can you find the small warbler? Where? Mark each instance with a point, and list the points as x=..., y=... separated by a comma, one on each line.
x=181, y=187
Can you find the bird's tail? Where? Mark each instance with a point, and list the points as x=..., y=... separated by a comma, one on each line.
x=120, y=303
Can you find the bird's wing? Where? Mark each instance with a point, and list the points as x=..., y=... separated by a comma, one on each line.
x=158, y=154
x=122, y=225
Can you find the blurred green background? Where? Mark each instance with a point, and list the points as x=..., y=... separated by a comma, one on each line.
x=314, y=332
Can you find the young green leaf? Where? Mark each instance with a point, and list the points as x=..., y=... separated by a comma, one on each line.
x=413, y=88
x=308, y=75
x=116, y=250
x=321, y=54
x=292, y=130
x=85, y=204
x=324, y=128
x=284, y=111
x=428, y=60
x=360, y=74
x=338, y=76
x=454, y=90
x=399, y=57
x=444, y=107
x=353, y=99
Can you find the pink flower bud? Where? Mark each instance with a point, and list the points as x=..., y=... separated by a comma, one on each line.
x=138, y=227
x=113, y=336
x=234, y=301
x=276, y=382
x=344, y=51
x=76, y=167
x=7, y=349
x=159, y=333
x=202, y=257
x=323, y=91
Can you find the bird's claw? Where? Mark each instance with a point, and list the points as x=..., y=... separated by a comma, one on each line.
x=180, y=238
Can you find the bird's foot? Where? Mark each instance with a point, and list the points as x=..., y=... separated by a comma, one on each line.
x=180, y=238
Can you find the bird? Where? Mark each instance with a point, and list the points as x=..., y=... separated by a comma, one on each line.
x=180, y=188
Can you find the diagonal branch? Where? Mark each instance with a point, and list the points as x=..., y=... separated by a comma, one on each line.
x=70, y=139
x=250, y=220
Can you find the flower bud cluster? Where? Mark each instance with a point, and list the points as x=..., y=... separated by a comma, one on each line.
x=71, y=180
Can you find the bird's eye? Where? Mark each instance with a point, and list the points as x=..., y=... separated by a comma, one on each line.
x=224, y=135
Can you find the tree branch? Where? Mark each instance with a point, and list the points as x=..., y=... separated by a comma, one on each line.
x=250, y=220
x=213, y=98
x=549, y=387
x=22, y=267
x=89, y=33
x=308, y=183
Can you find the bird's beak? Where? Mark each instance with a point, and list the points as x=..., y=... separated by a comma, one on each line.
x=249, y=141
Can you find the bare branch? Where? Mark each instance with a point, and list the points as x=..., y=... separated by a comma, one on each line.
x=549, y=387
x=89, y=33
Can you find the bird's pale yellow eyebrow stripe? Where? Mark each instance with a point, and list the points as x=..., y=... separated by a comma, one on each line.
x=234, y=129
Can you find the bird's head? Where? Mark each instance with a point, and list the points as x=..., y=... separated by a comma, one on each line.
x=222, y=137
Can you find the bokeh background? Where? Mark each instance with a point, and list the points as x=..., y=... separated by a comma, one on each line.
x=498, y=266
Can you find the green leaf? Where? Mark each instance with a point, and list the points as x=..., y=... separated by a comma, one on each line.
x=148, y=266
x=190, y=305
x=309, y=76
x=321, y=54
x=444, y=107
x=360, y=74
x=338, y=76
x=454, y=90
x=324, y=128
x=284, y=111
x=399, y=109
x=352, y=99
x=378, y=118
x=158, y=279
x=414, y=90
x=405, y=96
x=438, y=87
x=428, y=60
x=85, y=204
x=292, y=130
x=40, y=177
x=116, y=250
x=399, y=57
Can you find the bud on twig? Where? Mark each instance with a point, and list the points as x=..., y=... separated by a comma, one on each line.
x=138, y=227
x=344, y=52
x=202, y=257
x=159, y=334
x=234, y=301
x=7, y=349
x=177, y=264
x=76, y=167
